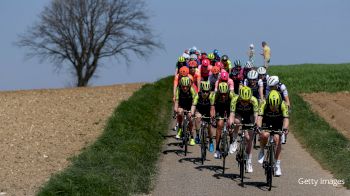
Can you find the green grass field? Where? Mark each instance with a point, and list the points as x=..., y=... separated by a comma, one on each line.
x=324, y=143
x=123, y=160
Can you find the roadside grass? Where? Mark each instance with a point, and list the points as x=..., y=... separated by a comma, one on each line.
x=123, y=159
x=323, y=142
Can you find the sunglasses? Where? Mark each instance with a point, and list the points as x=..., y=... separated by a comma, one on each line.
x=206, y=92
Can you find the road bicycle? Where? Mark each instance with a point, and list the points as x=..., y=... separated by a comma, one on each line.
x=241, y=156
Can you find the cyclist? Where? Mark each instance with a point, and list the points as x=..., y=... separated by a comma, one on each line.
x=224, y=78
x=245, y=111
x=185, y=95
x=262, y=82
x=183, y=72
x=201, y=107
x=274, y=84
x=251, y=53
x=237, y=75
x=248, y=67
x=273, y=112
x=252, y=82
x=220, y=104
x=212, y=59
x=204, y=69
x=195, y=74
x=180, y=63
x=227, y=65
x=216, y=54
x=214, y=76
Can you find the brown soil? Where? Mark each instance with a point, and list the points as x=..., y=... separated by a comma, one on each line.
x=333, y=107
x=41, y=129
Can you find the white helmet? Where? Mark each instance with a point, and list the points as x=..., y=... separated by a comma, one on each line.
x=251, y=45
x=252, y=75
x=248, y=64
x=193, y=56
x=261, y=70
x=186, y=56
x=273, y=80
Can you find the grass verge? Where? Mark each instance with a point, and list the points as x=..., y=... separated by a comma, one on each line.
x=325, y=144
x=123, y=159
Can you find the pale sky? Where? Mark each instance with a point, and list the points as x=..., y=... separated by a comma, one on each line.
x=313, y=31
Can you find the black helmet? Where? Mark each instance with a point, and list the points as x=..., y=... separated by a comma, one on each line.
x=224, y=57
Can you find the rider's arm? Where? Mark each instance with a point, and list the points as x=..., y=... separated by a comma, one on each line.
x=176, y=103
x=255, y=103
x=233, y=109
x=212, y=98
x=261, y=89
x=285, y=114
x=194, y=104
x=285, y=94
x=176, y=82
x=261, y=113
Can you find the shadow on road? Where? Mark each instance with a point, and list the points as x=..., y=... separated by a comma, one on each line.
x=175, y=144
x=229, y=176
x=176, y=151
x=259, y=185
x=214, y=168
x=194, y=160
x=166, y=136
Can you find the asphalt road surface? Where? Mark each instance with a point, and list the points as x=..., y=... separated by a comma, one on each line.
x=185, y=175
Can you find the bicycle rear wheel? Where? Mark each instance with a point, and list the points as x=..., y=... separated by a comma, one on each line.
x=203, y=144
x=185, y=137
x=270, y=166
x=224, y=151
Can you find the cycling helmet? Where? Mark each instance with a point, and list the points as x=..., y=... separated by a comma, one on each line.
x=224, y=76
x=184, y=71
x=251, y=45
x=249, y=65
x=215, y=70
x=219, y=64
x=192, y=64
x=245, y=93
x=205, y=62
x=223, y=87
x=181, y=59
x=216, y=52
x=252, y=75
x=224, y=58
x=237, y=63
x=204, y=55
x=261, y=70
x=211, y=56
x=192, y=51
x=205, y=85
x=185, y=81
x=193, y=57
x=274, y=98
x=273, y=80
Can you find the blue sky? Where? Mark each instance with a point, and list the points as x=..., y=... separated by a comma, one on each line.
x=314, y=31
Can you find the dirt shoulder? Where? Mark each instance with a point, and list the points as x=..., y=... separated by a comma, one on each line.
x=333, y=107
x=40, y=129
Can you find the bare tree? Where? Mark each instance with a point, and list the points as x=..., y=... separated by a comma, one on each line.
x=81, y=32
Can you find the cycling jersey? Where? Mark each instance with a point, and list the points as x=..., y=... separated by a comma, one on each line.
x=229, y=83
x=274, y=118
x=281, y=88
x=222, y=105
x=255, y=89
x=237, y=77
x=263, y=82
x=212, y=79
x=202, y=105
x=204, y=72
x=185, y=99
x=245, y=111
x=227, y=66
x=241, y=109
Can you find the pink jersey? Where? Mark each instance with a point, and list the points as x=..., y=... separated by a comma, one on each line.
x=229, y=82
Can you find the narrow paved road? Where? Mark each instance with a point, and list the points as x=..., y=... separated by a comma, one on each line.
x=180, y=175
